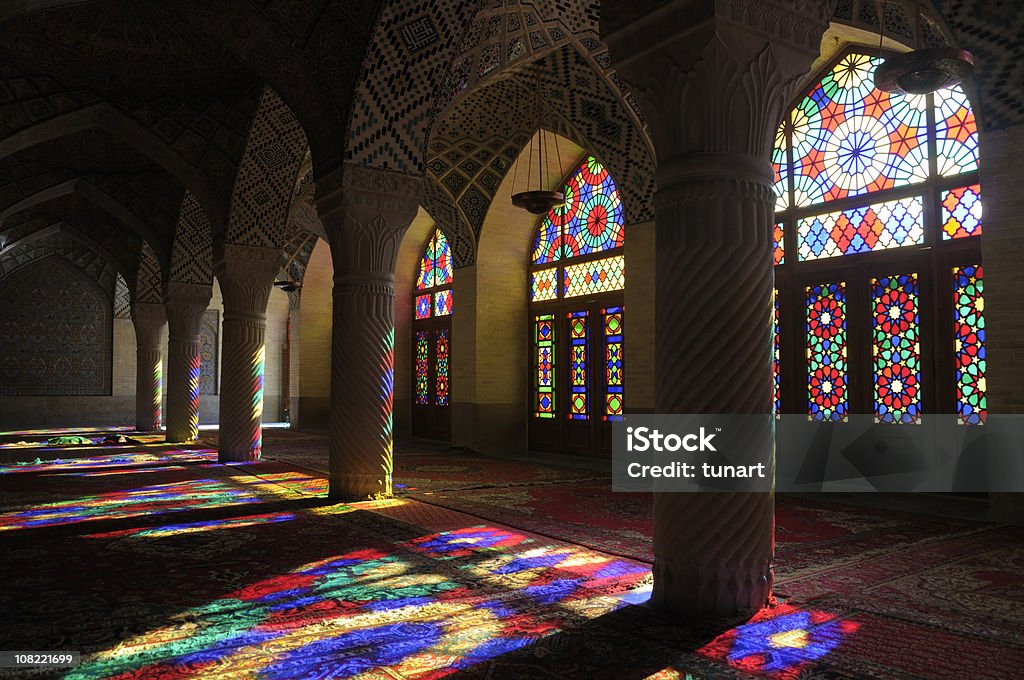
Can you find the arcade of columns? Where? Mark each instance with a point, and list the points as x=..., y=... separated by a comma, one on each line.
x=713, y=88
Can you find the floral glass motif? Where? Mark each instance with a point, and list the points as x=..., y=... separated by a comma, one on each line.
x=544, y=285
x=590, y=220
x=961, y=212
x=613, y=378
x=422, y=367
x=596, y=276
x=423, y=306
x=779, y=249
x=956, y=133
x=443, y=303
x=969, y=344
x=826, y=352
x=849, y=138
x=436, y=264
x=858, y=230
x=896, y=349
x=776, y=376
x=441, y=384
x=544, y=346
x=579, y=370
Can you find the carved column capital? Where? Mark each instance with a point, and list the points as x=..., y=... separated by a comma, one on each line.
x=148, y=318
x=366, y=213
x=713, y=76
x=185, y=305
x=246, y=275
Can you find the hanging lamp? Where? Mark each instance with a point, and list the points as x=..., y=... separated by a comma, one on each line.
x=537, y=201
x=923, y=70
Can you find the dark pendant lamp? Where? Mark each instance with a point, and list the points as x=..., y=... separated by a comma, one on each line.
x=923, y=70
x=537, y=201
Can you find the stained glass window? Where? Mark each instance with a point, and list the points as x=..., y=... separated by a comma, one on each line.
x=577, y=253
x=850, y=138
x=579, y=370
x=826, y=351
x=441, y=384
x=613, y=378
x=436, y=264
x=956, y=133
x=544, y=284
x=961, y=212
x=896, y=349
x=544, y=367
x=590, y=220
x=969, y=343
x=779, y=249
x=858, y=230
x=891, y=179
x=422, y=367
x=433, y=304
x=596, y=276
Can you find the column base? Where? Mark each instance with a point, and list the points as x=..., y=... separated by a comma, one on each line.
x=179, y=438
x=708, y=592
x=359, y=487
x=244, y=456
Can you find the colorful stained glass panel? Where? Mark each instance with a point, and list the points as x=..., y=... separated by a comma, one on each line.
x=875, y=227
x=423, y=306
x=544, y=285
x=956, y=133
x=850, y=138
x=613, y=363
x=443, y=303
x=826, y=352
x=436, y=267
x=597, y=276
x=590, y=220
x=544, y=347
x=969, y=344
x=579, y=369
x=422, y=367
x=896, y=349
x=441, y=384
x=961, y=212
x=779, y=249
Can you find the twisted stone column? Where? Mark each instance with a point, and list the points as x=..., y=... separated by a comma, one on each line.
x=246, y=275
x=149, y=319
x=714, y=80
x=186, y=303
x=365, y=219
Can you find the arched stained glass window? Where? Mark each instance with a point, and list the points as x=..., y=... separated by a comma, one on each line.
x=433, y=303
x=577, y=275
x=877, y=213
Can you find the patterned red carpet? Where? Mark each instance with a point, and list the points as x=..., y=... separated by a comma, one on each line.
x=164, y=564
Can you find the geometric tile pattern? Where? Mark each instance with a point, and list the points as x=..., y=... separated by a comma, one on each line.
x=267, y=175
x=192, y=253
x=56, y=331
x=149, y=286
x=122, y=299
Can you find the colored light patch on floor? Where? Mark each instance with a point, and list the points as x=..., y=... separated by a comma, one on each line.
x=149, y=500
x=781, y=643
x=427, y=607
x=112, y=460
x=283, y=483
x=198, y=527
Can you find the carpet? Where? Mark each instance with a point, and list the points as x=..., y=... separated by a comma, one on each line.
x=238, y=571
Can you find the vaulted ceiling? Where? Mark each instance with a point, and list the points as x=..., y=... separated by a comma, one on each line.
x=127, y=125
